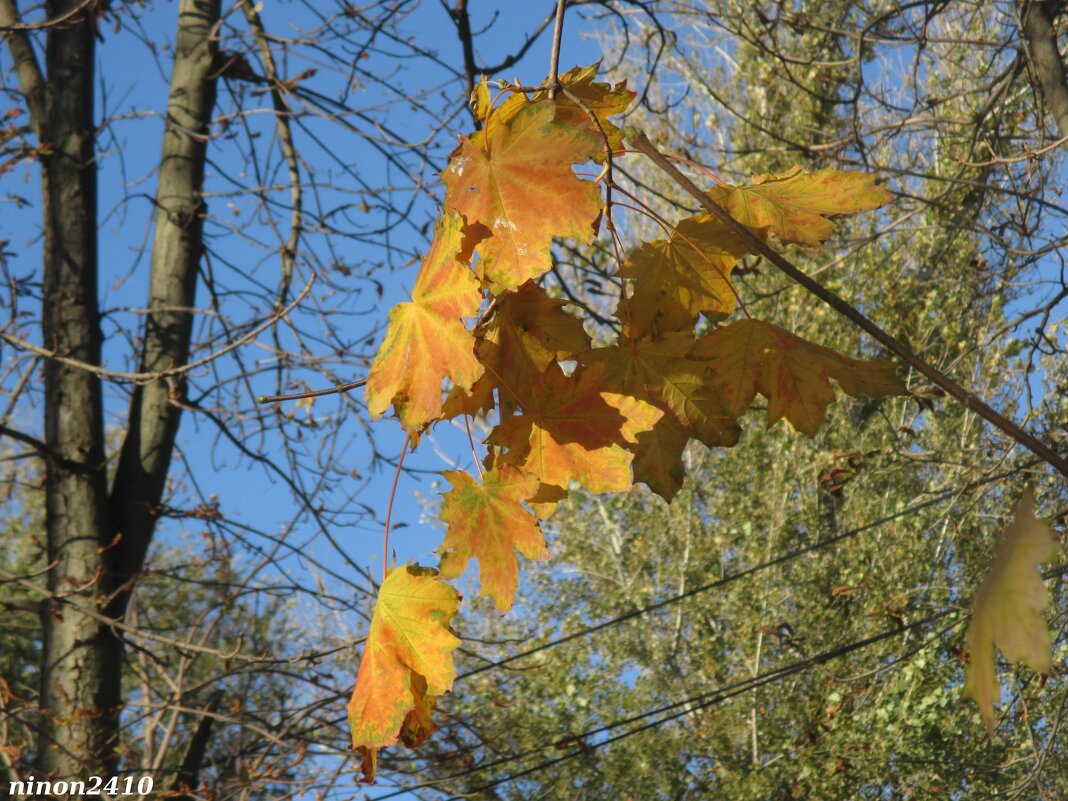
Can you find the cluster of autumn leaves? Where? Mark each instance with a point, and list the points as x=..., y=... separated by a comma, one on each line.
x=566, y=411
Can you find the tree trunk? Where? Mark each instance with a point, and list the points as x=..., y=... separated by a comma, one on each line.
x=1046, y=63
x=80, y=690
x=97, y=544
x=176, y=251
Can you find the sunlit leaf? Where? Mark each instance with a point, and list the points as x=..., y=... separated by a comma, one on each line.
x=602, y=99
x=487, y=522
x=516, y=179
x=796, y=206
x=407, y=661
x=426, y=341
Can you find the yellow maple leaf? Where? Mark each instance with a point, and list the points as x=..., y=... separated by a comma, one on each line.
x=515, y=178
x=796, y=205
x=426, y=341
x=1008, y=607
x=406, y=663
x=750, y=356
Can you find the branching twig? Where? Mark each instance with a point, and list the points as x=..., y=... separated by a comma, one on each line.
x=145, y=378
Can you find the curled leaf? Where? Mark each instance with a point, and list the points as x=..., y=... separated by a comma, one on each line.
x=406, y=663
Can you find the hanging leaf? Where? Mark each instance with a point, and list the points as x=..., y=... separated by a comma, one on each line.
x=426, y=340
x=750, y=356
x=407, y=661
x=796, y=206
x=487, y=521
x=1008, y=607
x=516, y=179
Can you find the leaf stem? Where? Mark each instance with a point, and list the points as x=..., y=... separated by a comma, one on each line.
x=968, y=399
x=389, y=509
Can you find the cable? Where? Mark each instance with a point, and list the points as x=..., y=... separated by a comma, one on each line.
x=729, y=579
x=727, y=691
x=688, y=705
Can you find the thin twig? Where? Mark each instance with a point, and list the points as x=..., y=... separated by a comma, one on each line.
x=970, y=401
x=338, y=390
x=554, y=59
x=144, y=378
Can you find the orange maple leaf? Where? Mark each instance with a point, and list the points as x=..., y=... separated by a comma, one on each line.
x=750, y=356
x=796, y=205
x=1008, y=608
x=515, y=178
x=426, y=340
x=487, y=521
x=406, y=663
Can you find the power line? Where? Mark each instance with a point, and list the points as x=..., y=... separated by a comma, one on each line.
x=731, y=578
x=668, y=712
x=701, y=701
x=723, y=693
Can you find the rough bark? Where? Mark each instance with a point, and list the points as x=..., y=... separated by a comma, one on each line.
x=80, y=697
x=96, y=543
x=1047, y=66
x=177, y=248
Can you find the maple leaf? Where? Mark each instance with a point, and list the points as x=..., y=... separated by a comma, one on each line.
x=796, y=205
x=426, y=341
x=407, y=661
x=602, y=99
x=677, y=278
x=658, y=457
x=528, y=331
x=487, y=521
x=567, y=432
x=515, y=178
x=750, y=356
x=1008, y=608
x=662, y=372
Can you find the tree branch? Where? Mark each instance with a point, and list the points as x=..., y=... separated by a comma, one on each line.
x=970, y=401
x=31, y=79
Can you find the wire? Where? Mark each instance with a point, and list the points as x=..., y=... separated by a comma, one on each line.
x=669, y=712
x=727, y=691
x=731, y=578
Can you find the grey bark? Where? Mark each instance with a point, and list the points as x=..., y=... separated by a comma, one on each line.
x=177, y=248
x=1047, y=66
x=97, y=543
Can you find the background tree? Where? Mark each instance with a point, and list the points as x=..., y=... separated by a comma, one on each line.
x=279, y=197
